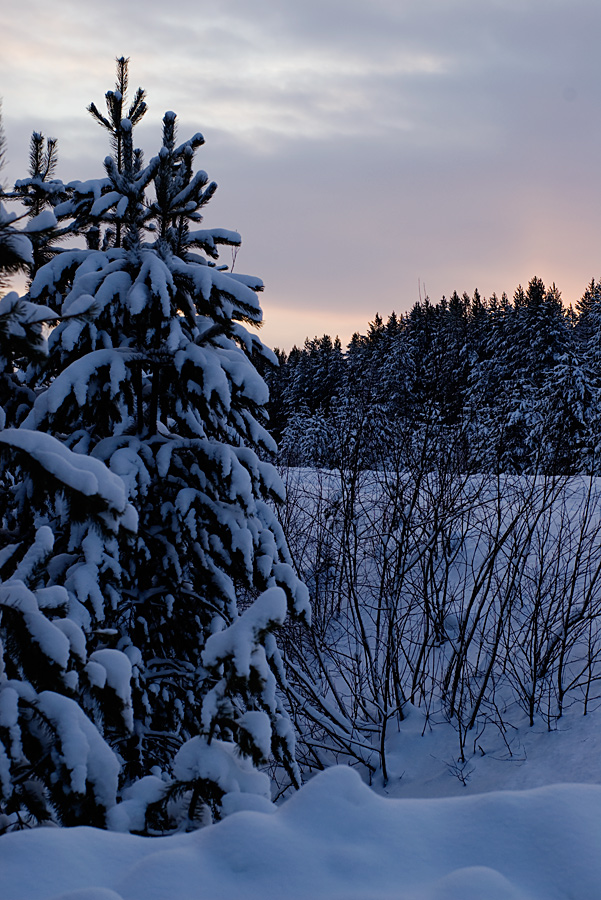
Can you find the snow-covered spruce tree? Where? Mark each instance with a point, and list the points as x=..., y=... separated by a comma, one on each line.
x=54, y=764
x=21, y=331
x=61, y=688
x=17, y=331
x=160, y=385
x=39, y=194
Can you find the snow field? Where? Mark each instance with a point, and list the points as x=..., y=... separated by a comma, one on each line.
x=334, y=840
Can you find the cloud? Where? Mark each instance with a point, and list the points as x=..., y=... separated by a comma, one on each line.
x=361, y=148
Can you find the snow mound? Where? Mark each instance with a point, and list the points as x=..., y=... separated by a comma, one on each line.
x=334, y=839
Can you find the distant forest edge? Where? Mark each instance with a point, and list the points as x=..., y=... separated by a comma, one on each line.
x=495, y=385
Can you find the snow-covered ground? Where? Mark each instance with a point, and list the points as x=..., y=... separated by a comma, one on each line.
x=520, y=819
x=335, y=839
x=338, y=839
x=423, y=761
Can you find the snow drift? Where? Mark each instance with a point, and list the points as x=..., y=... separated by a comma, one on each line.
x=334, y=839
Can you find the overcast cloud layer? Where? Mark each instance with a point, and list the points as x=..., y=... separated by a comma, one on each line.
x=365, y=150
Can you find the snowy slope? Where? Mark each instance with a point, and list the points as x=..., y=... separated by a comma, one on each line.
x=335, y=839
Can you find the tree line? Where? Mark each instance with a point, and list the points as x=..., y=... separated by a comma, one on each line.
x=502, y=385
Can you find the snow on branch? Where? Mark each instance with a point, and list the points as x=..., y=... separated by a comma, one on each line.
x=239, y=640
x=83, y=474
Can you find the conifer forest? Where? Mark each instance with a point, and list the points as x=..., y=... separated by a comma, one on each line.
x=225, y=569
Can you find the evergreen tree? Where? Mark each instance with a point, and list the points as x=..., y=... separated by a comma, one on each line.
x=277, y=379
x=40, y=194
x=16, y=253
x=535, y=338
x=62, y=690
x=588, y=321
x=489, y=376
x=152, y=373
x=587, y=336
x=562, y=440
x=317, y=375
x=57, y=693
x=454, y=357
